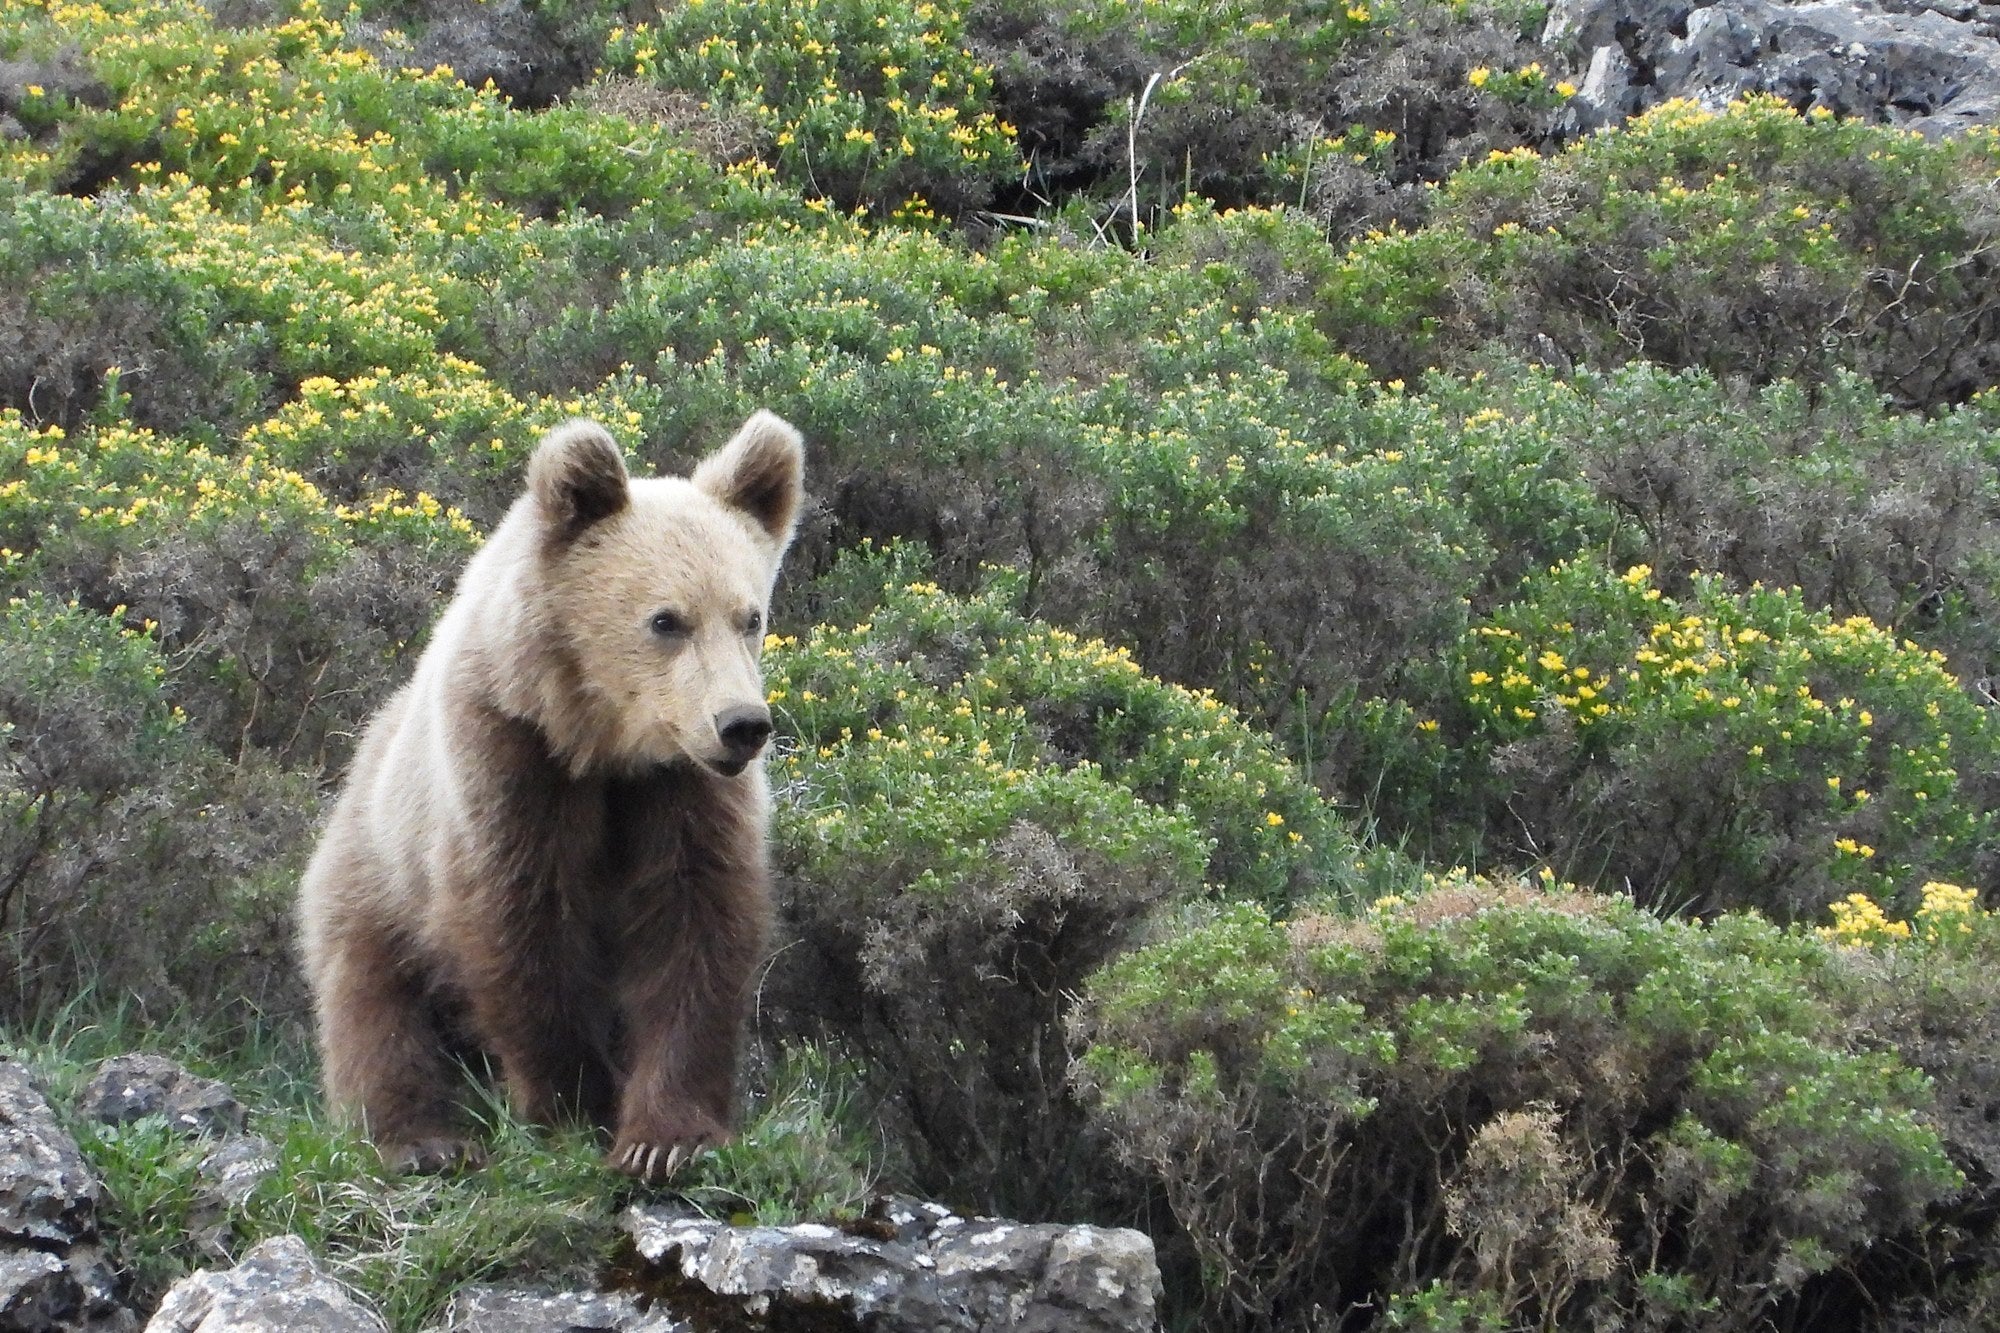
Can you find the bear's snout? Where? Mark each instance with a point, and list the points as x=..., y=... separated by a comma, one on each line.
x=743, y=731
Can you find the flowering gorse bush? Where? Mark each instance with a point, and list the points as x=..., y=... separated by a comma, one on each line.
x=1947, y=915
x=1720, y=748
x=861, y=102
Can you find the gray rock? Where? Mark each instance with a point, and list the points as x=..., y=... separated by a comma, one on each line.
x=37, y=1291
x=1046, y=1279
x=236, y=1167
x=48, y=1193
x=940, y=1272
x=1928, y=65
x=510, y=1310
x=278, y=1288
x=911, y=1220
x=99, y=1286
x=129, y=1087
x=230, y=1174
x=794, y=1268
x=53, y=1277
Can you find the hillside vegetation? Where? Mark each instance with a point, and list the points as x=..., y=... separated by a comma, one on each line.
x=1396, y=697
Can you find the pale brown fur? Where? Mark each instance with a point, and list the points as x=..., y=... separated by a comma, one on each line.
x=550, y=844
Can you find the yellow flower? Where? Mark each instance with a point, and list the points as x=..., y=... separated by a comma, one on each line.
x=1274, y=820
x=1478, y=77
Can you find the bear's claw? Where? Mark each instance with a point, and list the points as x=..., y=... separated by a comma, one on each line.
x=437, y=1155
x=654, y=1163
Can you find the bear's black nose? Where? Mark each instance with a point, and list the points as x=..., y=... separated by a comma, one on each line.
x=744, y=731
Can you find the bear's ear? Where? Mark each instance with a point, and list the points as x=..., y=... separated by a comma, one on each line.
x=578, y=478
x=761, y=471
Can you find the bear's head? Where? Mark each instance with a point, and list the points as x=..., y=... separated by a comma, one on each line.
x=659, y=590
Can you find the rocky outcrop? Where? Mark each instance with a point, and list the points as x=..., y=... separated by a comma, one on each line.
x=911, y=1268
x=278, y=1288
x=53, y=1275
x=1929, y=65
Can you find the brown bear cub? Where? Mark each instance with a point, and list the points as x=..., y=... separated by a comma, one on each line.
x=550, y=845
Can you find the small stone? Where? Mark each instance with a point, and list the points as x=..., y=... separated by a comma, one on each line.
x=37, y=1291
x=128, y=1087
x=237, y=1166
x=909, y=1220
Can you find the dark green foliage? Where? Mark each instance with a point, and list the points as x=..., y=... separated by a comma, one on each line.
x=1338, y=110
x=82, y=296
x=131, y=857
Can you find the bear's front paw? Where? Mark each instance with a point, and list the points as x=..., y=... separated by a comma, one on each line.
x=655, y=1154
x=436, y=1155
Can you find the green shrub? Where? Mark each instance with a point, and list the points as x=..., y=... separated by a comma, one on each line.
x=286, y=613
x=131, y=860
x=1753, y=241
x=974, y=812
x=1929, y=987
x=1721, y=749
x=1335, y=109
x=1488, y=1102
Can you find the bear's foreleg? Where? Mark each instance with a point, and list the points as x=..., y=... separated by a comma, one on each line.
x=684, y=1012
x=385, y=1059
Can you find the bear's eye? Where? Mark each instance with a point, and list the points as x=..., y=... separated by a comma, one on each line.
x=667, y=623
x=754, y=623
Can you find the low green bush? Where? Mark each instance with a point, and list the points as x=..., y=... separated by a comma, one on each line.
x=1825, y=487
x=86, y=292
x=1502, y=1106
x=132, y=859
x=1752, y=241
x=1337, y=109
